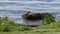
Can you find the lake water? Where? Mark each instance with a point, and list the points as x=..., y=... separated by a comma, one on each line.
x=15, y=8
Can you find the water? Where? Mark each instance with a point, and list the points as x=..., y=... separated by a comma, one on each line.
x=15, y=8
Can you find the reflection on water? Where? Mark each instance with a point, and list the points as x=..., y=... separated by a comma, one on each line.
x=27, y=22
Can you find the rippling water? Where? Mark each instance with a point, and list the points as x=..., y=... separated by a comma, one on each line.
x=15, y=8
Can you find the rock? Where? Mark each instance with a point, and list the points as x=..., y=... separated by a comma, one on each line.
x=32, y=16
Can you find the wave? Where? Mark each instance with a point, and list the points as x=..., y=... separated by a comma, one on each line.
x=31, y=0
